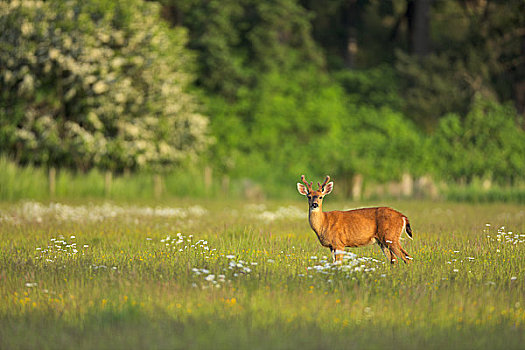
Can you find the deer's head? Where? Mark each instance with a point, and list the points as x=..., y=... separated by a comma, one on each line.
x=315, y=198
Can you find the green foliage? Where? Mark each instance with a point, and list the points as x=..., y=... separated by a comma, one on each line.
x=487, y=39
x=432, y=87
x=274, y=132
x=377, y=87
x=301, y=122
x=477, y=51
x=290, y=116
x=486, y=144
x=95, y=83
x=377, y=143
x=215, y=38
x=473, y=48
x=237, y=42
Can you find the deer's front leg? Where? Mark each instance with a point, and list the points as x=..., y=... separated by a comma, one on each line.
x=339, y=253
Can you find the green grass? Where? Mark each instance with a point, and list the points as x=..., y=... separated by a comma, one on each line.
x=127, y=286
x=31, y=182
x=477, y=194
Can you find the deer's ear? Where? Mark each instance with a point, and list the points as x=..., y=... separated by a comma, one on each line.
x=328, y=188
x=302, y=189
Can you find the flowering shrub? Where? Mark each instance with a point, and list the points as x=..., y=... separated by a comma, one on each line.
x=95, y=83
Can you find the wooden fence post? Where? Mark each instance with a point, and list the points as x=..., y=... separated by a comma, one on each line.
x=226, y=184
x=208, y=177
x=357, y=186
x=52, y=180
x=407, y=185
x=108, y=179
x=157, y=186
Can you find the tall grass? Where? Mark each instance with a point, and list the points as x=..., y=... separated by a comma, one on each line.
x=22, y=182
x=30, y=182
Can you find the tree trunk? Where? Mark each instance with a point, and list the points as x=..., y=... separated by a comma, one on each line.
x=350, y=19
x=520, y=88
x=172, y=14
x=519, y=92
x=418, y=17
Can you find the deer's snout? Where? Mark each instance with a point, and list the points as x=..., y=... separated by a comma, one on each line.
x=314, y=205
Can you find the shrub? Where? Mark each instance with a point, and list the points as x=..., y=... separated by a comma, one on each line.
x=486, y=144
x=95, y=83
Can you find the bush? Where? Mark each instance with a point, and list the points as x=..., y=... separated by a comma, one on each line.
x=486, y=144
x=378, y=143
x=95, y=83
x=377, y=87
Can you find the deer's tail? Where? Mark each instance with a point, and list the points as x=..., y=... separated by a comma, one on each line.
x=408, y=229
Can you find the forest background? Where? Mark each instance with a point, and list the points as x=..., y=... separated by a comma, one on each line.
x=238, y=98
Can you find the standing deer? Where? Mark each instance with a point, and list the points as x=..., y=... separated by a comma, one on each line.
x=355, y=228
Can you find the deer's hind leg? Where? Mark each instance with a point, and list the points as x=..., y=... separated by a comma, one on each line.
x=389, y=247
x=385, y=250
x=391, y=235
x=396, y=249
x=404, y=252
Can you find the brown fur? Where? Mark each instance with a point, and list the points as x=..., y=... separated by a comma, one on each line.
x=356, y=228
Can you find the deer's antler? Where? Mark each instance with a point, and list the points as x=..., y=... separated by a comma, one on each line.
x=308, y=185
x=321, y=187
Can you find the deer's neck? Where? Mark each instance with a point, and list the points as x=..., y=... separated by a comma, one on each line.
x=317, y=219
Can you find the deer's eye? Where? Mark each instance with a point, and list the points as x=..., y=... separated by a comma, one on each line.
x=320, y=197
x=309, y=196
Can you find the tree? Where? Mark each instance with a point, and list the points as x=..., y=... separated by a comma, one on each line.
x=96, y=83
x=477, y=50
x=238, y=41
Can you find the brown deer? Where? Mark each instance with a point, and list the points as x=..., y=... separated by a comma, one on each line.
x=355, y=228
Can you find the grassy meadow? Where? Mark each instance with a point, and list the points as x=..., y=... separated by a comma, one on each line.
x=212, y=274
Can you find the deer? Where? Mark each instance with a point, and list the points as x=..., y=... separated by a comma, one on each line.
x=355, y=228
